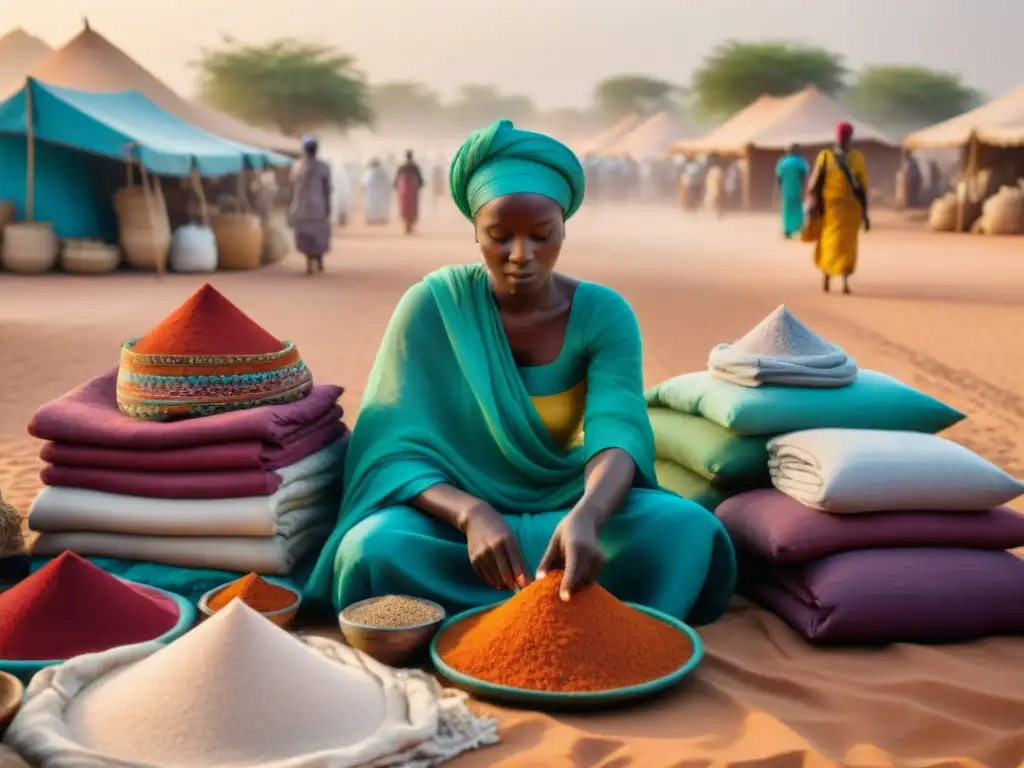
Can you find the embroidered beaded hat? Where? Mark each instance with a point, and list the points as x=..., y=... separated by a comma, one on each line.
x=207, y=357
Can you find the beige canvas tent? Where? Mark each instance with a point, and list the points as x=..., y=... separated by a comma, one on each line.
x=761, y=132
x=596, y=144
x=90, y=62
x=19, y=53
x=1000, y=123
x=652, y=138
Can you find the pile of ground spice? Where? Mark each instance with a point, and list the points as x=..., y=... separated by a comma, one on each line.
x=392, y=612
x=70, y=607
x=207, y=324
x=537, y=641
x=256, y=592
x=235, y=691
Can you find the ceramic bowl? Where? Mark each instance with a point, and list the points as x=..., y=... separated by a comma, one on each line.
x=12, y=692
x=392, y=646
x=282, y=617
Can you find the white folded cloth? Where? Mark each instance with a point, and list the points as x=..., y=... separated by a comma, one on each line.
x=272, y=555
x=863, y=470
x=310, y=493
x=781, y=351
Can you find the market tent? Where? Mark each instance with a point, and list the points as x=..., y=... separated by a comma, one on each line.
x=90, y=62
x=596, y=144
x=652, y=138
x=808, y=118
x=998, y=123
x=124, y=125
x=19, y=52
x=760, y=133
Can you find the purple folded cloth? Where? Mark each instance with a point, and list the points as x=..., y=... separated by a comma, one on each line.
x=894, y=595
x=771, y=525
x=229, y=484
x=242, y=455
x=89, y=415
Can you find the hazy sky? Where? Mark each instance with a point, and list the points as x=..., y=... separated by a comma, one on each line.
x=553, y=50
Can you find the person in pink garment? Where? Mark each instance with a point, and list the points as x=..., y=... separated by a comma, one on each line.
x=408, y=183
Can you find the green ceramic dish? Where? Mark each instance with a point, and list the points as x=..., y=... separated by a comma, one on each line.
x=24, y=670
x=574, y=700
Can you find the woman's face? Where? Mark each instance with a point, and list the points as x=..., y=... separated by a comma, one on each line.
x=520, y=237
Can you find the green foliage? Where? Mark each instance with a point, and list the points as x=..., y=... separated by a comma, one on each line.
x=405, y=101
x=478, y=105
x=618, y=96
x=735, y=74
x=292, y=85
x=910, y=97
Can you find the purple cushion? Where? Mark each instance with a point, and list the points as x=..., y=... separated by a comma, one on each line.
x=771, y=525
x=894, y=595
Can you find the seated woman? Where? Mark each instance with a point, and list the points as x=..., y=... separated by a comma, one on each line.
x=467, y=471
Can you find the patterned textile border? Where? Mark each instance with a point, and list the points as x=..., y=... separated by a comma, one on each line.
x=168, y=387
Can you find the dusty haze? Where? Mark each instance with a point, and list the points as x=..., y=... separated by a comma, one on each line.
x=552, y=51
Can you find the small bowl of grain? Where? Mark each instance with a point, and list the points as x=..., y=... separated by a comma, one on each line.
x=392, y=628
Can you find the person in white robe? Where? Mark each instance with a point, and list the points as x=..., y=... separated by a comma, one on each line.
x=376, y=184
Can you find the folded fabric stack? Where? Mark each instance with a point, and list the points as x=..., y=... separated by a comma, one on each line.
x=185, y=477
x=711, y=429
x=781, y=351
x=881, y=536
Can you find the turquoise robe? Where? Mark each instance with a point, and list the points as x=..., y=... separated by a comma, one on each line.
x=791, y=172
x=446, y=403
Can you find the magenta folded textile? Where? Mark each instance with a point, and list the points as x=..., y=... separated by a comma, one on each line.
x=89, y=415
x=245, y=454
x=770, y=525
x=230, y=484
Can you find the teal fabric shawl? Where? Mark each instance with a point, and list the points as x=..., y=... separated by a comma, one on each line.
x=502, y=160
x=445, y=403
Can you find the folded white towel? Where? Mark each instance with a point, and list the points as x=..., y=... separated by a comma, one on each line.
x=273, y=555
x=861, y=470
x=782, y=351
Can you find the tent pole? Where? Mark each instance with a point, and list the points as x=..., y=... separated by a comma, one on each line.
x=30, y=156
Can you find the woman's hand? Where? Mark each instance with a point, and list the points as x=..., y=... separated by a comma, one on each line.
x=575, y=548
x=493, y=550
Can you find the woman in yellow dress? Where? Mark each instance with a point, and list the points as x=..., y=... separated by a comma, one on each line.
x=838, y=189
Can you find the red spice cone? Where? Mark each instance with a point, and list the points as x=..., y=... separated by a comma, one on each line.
x=207, y=324
x=70, y=607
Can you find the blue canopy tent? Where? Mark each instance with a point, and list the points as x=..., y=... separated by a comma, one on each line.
x=45, y=129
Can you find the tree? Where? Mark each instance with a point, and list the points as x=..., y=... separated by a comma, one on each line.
x=735, y=74
x=908, y=98
x=478, y=105
x=292, y=85
x=616, y=97
x=405, y=102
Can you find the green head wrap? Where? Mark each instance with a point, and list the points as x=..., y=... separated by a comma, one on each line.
x=503, y=160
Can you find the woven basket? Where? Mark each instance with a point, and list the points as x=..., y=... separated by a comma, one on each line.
x=6, y=213
x=239, y=240
x=277, y=239
x=144, y=229
x=89, y=257
x=29, y=248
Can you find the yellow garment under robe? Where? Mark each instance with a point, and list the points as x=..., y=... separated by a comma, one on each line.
x=562, y=414
x=836, y=251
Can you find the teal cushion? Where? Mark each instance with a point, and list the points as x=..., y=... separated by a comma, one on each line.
x=873, y=401
x=728, y=460
x=688, y=484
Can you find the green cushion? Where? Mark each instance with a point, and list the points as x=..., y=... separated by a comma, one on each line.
x=688, y=484
x=873, y=401
x=728, y=460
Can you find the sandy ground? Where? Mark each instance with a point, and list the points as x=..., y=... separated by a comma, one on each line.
x=942, y=313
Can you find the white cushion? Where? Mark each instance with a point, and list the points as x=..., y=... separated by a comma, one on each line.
x=860, y=470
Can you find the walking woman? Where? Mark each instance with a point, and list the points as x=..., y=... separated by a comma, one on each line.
x=838, y=191
x=791, y=174
x=311, y=206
